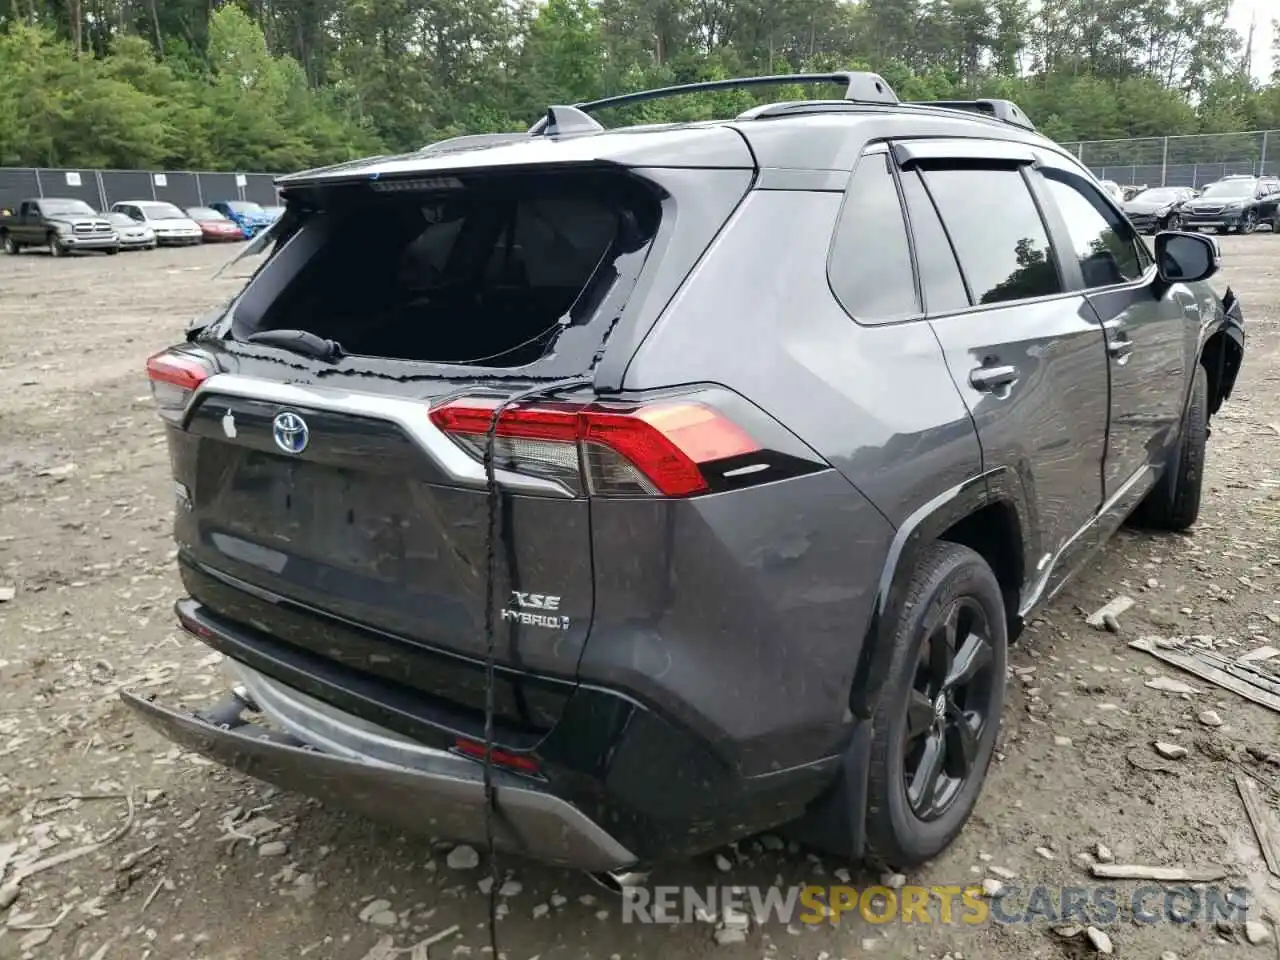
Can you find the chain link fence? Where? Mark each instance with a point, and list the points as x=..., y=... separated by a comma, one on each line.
x=1186, y=161
x=101, y=188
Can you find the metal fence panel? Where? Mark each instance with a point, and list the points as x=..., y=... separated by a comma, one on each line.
x=219, y=186
x=261, y=188
x=122, y=185
x=1190, y=161
x=72, y=184
x=17, y=184
x=179, y=188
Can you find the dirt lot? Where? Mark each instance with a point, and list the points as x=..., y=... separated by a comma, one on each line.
x=85, y=505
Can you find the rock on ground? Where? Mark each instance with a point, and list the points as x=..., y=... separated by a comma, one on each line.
x=463, y=857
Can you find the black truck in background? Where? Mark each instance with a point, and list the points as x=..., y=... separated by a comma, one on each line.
x=58, y=225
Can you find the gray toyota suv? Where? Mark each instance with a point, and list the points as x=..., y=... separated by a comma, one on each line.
x=616, y=493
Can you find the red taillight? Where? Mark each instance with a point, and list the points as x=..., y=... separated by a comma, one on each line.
x=651, y=450
x=500, y=758
x=174, y=377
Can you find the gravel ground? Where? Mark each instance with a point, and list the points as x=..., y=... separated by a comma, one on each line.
x=85, y=508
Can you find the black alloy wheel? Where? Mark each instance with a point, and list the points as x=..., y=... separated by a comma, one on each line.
x=948, y=709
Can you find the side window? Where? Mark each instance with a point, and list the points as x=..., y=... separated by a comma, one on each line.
x=940, y=279
x=997, y=232
x=1102, y=240
x=870, y=266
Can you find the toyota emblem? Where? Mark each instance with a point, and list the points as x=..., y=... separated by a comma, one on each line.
x=291, y=432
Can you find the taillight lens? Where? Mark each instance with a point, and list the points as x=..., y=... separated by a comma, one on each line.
x=653, y=449
x=174, y=376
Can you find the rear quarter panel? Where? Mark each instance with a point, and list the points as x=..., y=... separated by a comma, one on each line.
x=877, y=403
x=757, y=315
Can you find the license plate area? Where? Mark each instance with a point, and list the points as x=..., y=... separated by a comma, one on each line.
x=332, y=515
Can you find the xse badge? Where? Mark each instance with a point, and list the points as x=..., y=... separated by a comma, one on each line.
x=522, y=603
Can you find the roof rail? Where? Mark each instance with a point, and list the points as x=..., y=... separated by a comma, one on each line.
x=859, y=86
x=1004, y=110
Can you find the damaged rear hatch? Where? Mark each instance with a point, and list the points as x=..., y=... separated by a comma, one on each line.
x=327, y=432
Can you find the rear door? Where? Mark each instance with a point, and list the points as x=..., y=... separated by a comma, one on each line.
x=1147, y=328
x=1026, y=353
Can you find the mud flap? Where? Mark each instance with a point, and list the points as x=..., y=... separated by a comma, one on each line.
x=837, y=821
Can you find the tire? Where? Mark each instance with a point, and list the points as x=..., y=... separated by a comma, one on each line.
x=1275, y=223
x=55, y=248
x=949, y=578
x=1221, y=230
x=1174, y=503
x=111, y=251
x=1174, y=222
x=1249, y=223
x=11, y=246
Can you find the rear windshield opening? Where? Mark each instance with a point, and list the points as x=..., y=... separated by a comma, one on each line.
x=488, y=274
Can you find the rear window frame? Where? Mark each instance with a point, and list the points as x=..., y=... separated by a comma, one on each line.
x=303, y=234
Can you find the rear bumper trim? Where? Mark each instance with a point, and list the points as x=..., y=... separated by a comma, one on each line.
x=439, y=795
x=329, y=729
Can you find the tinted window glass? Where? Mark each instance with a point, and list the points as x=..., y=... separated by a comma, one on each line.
x=489, y=274
x=1101, y=239
x=940, y=277
x=997, y=232
x=553, y=242
x=871, y=260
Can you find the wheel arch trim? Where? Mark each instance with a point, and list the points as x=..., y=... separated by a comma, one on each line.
x=921, y=528
x=839, y=817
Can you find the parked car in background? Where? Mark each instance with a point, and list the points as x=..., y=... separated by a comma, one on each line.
x=1236, y=204
x=133, y=235
x=171, y=225
x=1158, y=208
x=1114, y=190
x=59, y=226
x=248, y=216
x=215, y=227
x=1129, y=191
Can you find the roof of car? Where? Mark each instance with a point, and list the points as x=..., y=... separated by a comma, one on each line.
x=812, y=140
x=807, y=134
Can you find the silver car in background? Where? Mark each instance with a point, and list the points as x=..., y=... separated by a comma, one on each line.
x=170, y=225
x=133, y=235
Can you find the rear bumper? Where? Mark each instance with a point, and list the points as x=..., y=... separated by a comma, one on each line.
x=375, y=771
x=618, y=783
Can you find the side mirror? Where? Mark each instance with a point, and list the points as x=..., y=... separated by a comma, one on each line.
x=1186, y=257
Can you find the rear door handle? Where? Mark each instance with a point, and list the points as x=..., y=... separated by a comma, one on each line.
x=1120, y=347
x=987, y=379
